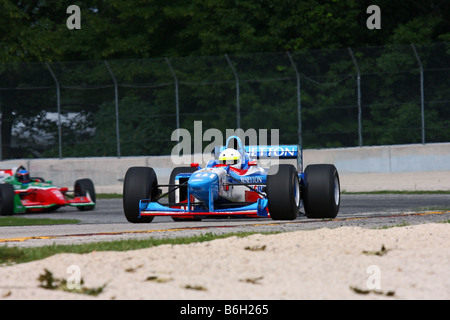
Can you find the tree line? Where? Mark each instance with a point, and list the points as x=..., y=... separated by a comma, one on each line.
x=34, y=33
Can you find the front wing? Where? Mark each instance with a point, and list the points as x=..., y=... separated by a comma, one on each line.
x=149, y=208
x=30, y=204
x=80, y=202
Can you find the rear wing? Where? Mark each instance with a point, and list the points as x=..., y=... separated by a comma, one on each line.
x=267, y=152
x=271, y=152
x=7, y=172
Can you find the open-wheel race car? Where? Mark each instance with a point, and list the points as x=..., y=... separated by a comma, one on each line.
x=20, y=193
x=234, y=185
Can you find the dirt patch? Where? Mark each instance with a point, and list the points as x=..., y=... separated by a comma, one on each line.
x=344, y=263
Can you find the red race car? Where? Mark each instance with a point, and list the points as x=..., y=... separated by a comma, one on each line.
x=20, y=193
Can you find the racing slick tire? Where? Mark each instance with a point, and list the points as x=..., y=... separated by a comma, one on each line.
x=7, y=195
x=173, y=174
x=81, y=189
x=283, y=192
x=139, y=183
x=321, y=194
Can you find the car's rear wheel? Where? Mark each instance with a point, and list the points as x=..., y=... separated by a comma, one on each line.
x=182, y=191
x=283, y=192
x=139, y=183
x=322, y=191
x=83, y=188
x=7, y=195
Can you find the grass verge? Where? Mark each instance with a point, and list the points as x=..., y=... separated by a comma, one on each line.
x=108, y=196
x=9, y=221
x=9, y=255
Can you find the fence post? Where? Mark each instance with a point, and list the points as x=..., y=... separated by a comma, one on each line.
x=177, y=104
x=116, y=98
x=299, y=106
x=58, y=104
x=358, y=80
x=422, y=98
x=238, y=106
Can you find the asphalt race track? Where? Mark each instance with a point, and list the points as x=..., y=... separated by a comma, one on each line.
x=107, y=222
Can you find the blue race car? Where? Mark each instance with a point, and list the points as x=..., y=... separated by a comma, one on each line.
x=234, y=185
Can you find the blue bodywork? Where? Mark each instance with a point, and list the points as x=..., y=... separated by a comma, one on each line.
x=205, y=185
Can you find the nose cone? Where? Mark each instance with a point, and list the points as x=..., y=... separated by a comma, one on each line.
x=57, y=197
x=200, y=183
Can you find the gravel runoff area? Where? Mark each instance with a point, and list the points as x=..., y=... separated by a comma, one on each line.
x=409, y=262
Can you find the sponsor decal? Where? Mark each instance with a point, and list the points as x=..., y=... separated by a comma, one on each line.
x=286, y=151
x=258, y=179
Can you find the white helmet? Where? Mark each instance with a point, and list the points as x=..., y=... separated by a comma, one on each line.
x=230, y=156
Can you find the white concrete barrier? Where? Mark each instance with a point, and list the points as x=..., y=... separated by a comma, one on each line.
x=397, y=167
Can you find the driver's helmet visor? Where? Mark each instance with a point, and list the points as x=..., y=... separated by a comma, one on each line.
x=23, y=176
x=229, y=160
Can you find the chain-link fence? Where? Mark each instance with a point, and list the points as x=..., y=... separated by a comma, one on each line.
x=321, y=98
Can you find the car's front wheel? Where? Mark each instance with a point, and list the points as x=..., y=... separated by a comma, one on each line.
x=283, y=192
x=83, y=188
x=139, y=183
x=322, y=194
x=7, y=195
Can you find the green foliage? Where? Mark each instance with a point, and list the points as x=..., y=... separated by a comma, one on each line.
x=36, y=30
x=133, y=36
